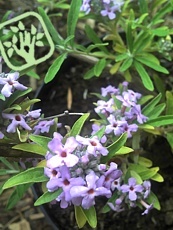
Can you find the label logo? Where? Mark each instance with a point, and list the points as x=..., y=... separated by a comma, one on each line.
x=22, y=43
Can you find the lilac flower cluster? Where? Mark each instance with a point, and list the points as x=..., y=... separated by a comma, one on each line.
x=131, y=194
x=107, y=8
x=8, y=84
x=119, y=110
x=73, y=167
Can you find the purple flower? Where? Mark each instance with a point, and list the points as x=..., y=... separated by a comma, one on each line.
x=52, y=173
x=89, y=192
x=108, y=11
x=66, y=182
x=34, y=114
x=105, y=107
x=95, y=128
x=63, y=153
x=110, y=175
x=136, y=112
x=130, y=128
x=129, y=98
x=116, y=126
x=109, y=90
x=94, y=145
x=43, y=127
x=147, y=207
x=1, y=135
x=17, y=120
x=147, y=188
x=118, y=206
x=132, y=189
x=86, y=6
x=10, y=83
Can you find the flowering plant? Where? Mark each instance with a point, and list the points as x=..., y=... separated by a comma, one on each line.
x=77, y=169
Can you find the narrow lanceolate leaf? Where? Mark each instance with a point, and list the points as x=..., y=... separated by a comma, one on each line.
x=76, y=129
x=73, y=17
x=152, y=199
x=40, y=140
x=157, y=111
x=169, y=104
x=31, y=175
x=33, y=148
x=80, y=217
x=91, y=217
x=92, y=35
x=113, y=148
x=99, y=67
x=150, y=106
x=53, y=32
x=146, y=61
x=17, y=195
x=146, y=80
x=54, y=68
x=161, y=121
x=126, y=64
x=47, y=197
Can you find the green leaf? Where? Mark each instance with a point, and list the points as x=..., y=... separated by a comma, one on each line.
x=30, y=147
x=145, y=161
x=94, y=38
x=152, y=199
x=100, y=132
x=121, y=57
x=17, y=94
x=148, y=174
x=47, y=197
x=76, y=128
x=17, y=195
x=53, y=32
x=27, y=103
x=40, y=140
x=136, y=176
x=145, y=99
x=150, y=106
x=124, y=150
x=169, y=137
x=8, y=171
x=72, y=17
x=31, y=175
x=91, y=217
x=89, y=74
x=157, y=177
x=126, y=64
x=146, y=61
x=113, y=148
x=54, y=68
x=99, y=67
x=80, y=217
x=7, y=163
x=161, y=31
x=157, y=111
x=33, y=74
x=169, y=104
x=161, y=121
x=146, y=80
